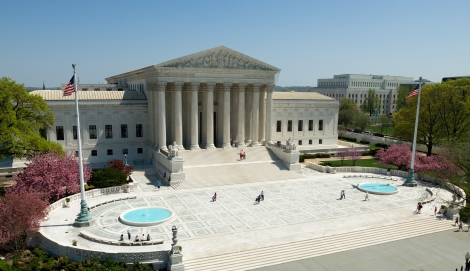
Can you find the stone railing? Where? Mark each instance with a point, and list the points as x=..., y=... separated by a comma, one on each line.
x=315, y=166
x=283, y=148
x=93, y=193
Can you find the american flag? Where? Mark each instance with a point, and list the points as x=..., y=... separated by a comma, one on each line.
x=70, y=88
x=414, y=92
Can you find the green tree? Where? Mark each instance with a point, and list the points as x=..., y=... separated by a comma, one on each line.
x=106, y=177
x=402, y=91
x=361, y=121
x=371, y=102
x=347, y=110
x=444, y=114
x=384, y=122
x=22, y=116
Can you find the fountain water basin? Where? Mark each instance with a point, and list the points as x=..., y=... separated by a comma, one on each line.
x=378, y=188
x=146, y=216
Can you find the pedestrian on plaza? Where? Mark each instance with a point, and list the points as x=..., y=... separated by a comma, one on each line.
x=456, y=221
x=262, y=195
x=435, y=209
x=136, y=238
x=343, y=195
x=420, y=206
x=244, y=155
x=164, y=175
x=258, y=199
x=367, y=196
x=129, y=235
x=122, y=237
x=158, y=185
x=143, y=237
x=241, y=156
x=148, y=237
x=460, y=225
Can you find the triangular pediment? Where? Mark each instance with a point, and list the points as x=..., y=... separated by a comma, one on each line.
x=219, y=57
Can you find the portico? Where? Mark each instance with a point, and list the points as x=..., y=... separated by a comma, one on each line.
x=213, y=98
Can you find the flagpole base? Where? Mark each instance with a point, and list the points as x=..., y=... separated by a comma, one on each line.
x=410, y=181
x=84, y=219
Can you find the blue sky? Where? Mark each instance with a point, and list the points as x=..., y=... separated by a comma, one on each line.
x=306, y=39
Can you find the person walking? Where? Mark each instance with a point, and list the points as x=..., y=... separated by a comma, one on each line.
x=215, y=196
x=419, y=207
x=244, y=155
x=129, y=235
x=456, y=221
x=435, y=209
x=148, y=237
x=367, y=196
x=158, y=185
x=342, y=195
x=122, y=237
x=262, y=195
x=241, y=156
x=460, y=225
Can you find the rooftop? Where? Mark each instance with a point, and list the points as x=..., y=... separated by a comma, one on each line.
x=57, y=95
x=301, y=96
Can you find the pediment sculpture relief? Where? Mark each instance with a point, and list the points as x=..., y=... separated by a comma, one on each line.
x=219, y=60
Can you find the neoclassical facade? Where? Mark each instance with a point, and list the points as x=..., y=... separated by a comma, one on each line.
x=209, y=99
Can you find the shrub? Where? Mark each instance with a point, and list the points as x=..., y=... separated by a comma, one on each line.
x=89, y=187
x=302, y=157
x=322, y=155
x=366, y=153
x=381, y=145
x=6, y=267
x=464, y=213
x=364, y=142
x=326, y=164
x=106, y=177
x=374, y=149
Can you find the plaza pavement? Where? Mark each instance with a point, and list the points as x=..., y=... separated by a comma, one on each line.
x=294, y=210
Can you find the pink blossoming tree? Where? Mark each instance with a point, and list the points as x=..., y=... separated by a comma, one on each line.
x=399, y=155
x=51, y=174
x=342, y=155
x=20, y=214
x=354, y=155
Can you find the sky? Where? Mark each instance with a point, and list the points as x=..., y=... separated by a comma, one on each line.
x=307, y=40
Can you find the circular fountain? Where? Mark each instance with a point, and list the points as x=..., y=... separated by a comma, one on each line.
x=146, y=216
x=378, y=188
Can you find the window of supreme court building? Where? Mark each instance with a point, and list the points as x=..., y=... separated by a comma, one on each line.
x=289, y=126
x=138, y=130
x=320, y=125
x=123, y=130
x=92, y=131
x=108, y=129
x=278, y=126
x=59, y=130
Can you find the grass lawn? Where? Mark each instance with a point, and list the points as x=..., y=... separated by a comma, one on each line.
x=376, y=129
x=359, y=163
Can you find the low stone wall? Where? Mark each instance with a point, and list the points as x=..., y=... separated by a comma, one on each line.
x=170, y=165
x=289, y=157
x=76, y=253
x=93, y=193
x=315, y=167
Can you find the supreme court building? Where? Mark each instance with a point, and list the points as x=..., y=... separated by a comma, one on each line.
x=216, y=98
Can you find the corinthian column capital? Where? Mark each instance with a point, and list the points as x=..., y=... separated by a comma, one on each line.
x=256, y=87
x=179, y=86
x=270, y=87
x=194, y=86
x=161, y=86
x=227, y=86
x=210, y=86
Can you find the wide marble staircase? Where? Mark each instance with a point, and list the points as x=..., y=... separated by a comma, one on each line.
x=267, y=256
x=215, y=167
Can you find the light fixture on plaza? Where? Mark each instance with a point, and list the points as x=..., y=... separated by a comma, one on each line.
x=125, y=159
x=410, y=181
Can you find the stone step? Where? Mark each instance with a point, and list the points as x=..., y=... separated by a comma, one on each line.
x=225, y=156
x=252, y=259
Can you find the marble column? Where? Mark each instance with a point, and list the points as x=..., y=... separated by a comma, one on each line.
x=151, y=120
x=161, y=116
x=241, y=115
x=262, y=115
x=209, y=116
x=155, y=116
x=178, y=115
x=226, y=116
x=248, y=116
x=194, y=117
x=269, y=112
x=255, y=116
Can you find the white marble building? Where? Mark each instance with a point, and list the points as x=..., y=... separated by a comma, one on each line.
x=214, y=98
x=356, y=87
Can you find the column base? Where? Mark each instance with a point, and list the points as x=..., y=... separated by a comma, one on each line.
x=226, y=146
x=210, y=146
x=248, y=142
x=254, y=144
x=241, y=144
x=195, y=147
x=181, y=147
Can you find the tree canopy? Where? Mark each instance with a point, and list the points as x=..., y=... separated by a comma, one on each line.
x=444, y=114
x=371, y=102
x=347, y=110
x=22, y=116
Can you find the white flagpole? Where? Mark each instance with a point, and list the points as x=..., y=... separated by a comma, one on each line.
x=84, y=217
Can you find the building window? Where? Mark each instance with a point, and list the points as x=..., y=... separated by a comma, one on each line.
x=109, y=151
x=320, y=125
x=108, y=130
x=320, y=141
x=300, y=127
x=74, y=132
x=300, y=142
x=94, y=153
x=140, y=150
x=278, y=126
x=59, y=130
x=310, y=125
x=289, y=126
x=92, y=130
x=138, y=130
x=125, y=151
x=310, y=142
x=43, y=133
x=123, y=130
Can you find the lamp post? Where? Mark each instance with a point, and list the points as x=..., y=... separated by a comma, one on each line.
x=410, y=181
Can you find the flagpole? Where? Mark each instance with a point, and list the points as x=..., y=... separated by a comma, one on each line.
x=410, y=181
x=84, y=218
